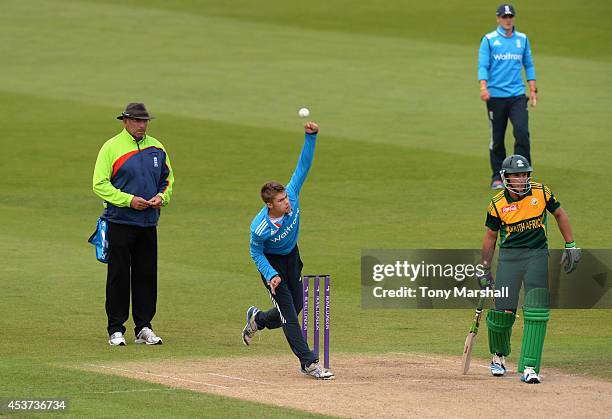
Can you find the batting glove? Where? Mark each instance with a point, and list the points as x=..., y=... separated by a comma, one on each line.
x=570, y=258
x=485, y=280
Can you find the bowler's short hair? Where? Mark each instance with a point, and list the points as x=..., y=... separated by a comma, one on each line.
x=270, y=189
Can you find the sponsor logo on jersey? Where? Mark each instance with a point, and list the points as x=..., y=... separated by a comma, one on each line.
x=507, y=56
x=155, y=164
x=526, y=225
x=496, y=43
x=287, y=229
x=509, y=208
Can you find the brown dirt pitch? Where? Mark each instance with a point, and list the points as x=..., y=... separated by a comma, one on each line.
x=389, y=385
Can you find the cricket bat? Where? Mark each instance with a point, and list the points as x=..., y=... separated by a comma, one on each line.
x=471, y=337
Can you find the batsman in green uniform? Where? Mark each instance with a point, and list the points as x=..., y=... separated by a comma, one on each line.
x=518, y=214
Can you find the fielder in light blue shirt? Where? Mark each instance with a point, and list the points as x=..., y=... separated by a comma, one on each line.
x=502, y=56
x=273, y=245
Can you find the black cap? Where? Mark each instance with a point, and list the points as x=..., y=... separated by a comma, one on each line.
x=135, y=111
x=505, y=9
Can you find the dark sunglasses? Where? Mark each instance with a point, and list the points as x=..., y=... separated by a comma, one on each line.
x=507, y=17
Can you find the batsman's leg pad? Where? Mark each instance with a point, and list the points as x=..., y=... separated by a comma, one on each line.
x=500, y=324
x=536, y=313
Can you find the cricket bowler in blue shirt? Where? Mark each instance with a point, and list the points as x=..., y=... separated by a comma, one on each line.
x=274, y=236
x=502, y=55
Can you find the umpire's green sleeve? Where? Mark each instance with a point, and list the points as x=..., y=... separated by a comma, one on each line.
x=102, y=185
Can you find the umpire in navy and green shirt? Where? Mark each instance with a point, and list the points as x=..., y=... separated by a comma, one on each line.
x=273, y=247
x=503, y=54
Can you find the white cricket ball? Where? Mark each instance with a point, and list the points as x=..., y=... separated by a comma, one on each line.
x=303, y=112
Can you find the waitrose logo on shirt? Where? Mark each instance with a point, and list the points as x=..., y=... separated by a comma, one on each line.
x=507, y=56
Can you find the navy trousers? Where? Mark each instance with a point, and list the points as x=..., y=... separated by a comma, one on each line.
x=500, y=110
x=288, y=303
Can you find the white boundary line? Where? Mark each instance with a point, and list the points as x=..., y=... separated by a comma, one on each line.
x=241, y=379
x=129, y=391
x=326, y=382
x=158, y=375
x=329, y=382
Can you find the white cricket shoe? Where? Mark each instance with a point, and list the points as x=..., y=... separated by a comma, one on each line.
x=116, y=339
x=251, y=326
x=530, y=376
x=148, y=336
x=316, y=370
x=498, y=365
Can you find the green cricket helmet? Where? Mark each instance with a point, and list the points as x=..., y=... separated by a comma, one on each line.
x=516, y=164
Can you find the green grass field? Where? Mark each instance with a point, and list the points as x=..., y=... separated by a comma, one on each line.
x=402, y=162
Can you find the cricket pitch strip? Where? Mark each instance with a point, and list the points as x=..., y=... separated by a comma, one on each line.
x=388, y=385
